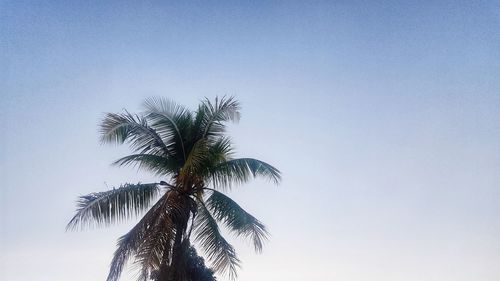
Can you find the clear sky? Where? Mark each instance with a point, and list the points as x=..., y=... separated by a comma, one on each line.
x=383, y=117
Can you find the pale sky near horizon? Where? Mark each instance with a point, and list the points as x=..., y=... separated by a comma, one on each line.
x=383, y=118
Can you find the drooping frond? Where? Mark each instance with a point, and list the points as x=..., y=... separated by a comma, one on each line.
x=224, y=209
x=151, y=252
x=152, y=163
x=172, y=122
x=218, y=251
x=105, y=208
x=119, y=128
x=125, y=247
x=214, y=115
x=144, y=232
x=240, y=170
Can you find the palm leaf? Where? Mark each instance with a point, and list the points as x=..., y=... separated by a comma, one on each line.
x=171, y=121
x=218, y=251
x=206, y=154
x=220, y=151
x=118, y=128
x=144, y=233
x=150, y=254
x=196, y=158
x=159, y=165
x=105, y=208
x=238, y=220
x=214, y=115
x=240, y=170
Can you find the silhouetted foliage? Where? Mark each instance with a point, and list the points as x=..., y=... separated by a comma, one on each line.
x=194, y=160
x=196, y=268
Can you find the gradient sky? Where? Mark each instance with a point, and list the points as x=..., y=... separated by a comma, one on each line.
x=383, y=118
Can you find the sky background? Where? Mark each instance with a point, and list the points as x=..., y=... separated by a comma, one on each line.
x=383, y=118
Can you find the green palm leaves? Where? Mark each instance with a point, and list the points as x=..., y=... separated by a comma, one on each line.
x=218, y=251
x=191, y=151
x=104, y=208
x=224, y=209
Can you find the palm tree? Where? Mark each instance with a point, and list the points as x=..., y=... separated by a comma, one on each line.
x=193, y=157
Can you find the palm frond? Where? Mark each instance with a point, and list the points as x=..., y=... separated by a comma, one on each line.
x=171, y=120
x=150, y=254
x=199, y=120
x=240, y=170
x=206, y=154
x=224, y=209
x=159, y=165
x=105, y=208
x=220, y=151
x=125, y=248
x=144, y=232
x=218, y=251
x=119, y=128
x=216, y=114
x=196, y=157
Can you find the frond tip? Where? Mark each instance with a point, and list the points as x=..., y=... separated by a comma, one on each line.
x=105, y=208
x=224, y=209
x=219, y=252
x=240, y=170
x=214, y=115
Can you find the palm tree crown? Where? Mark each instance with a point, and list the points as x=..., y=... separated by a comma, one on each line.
x=192, y=155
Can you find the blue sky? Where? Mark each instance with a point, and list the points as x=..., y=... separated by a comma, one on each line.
x=383, y=118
